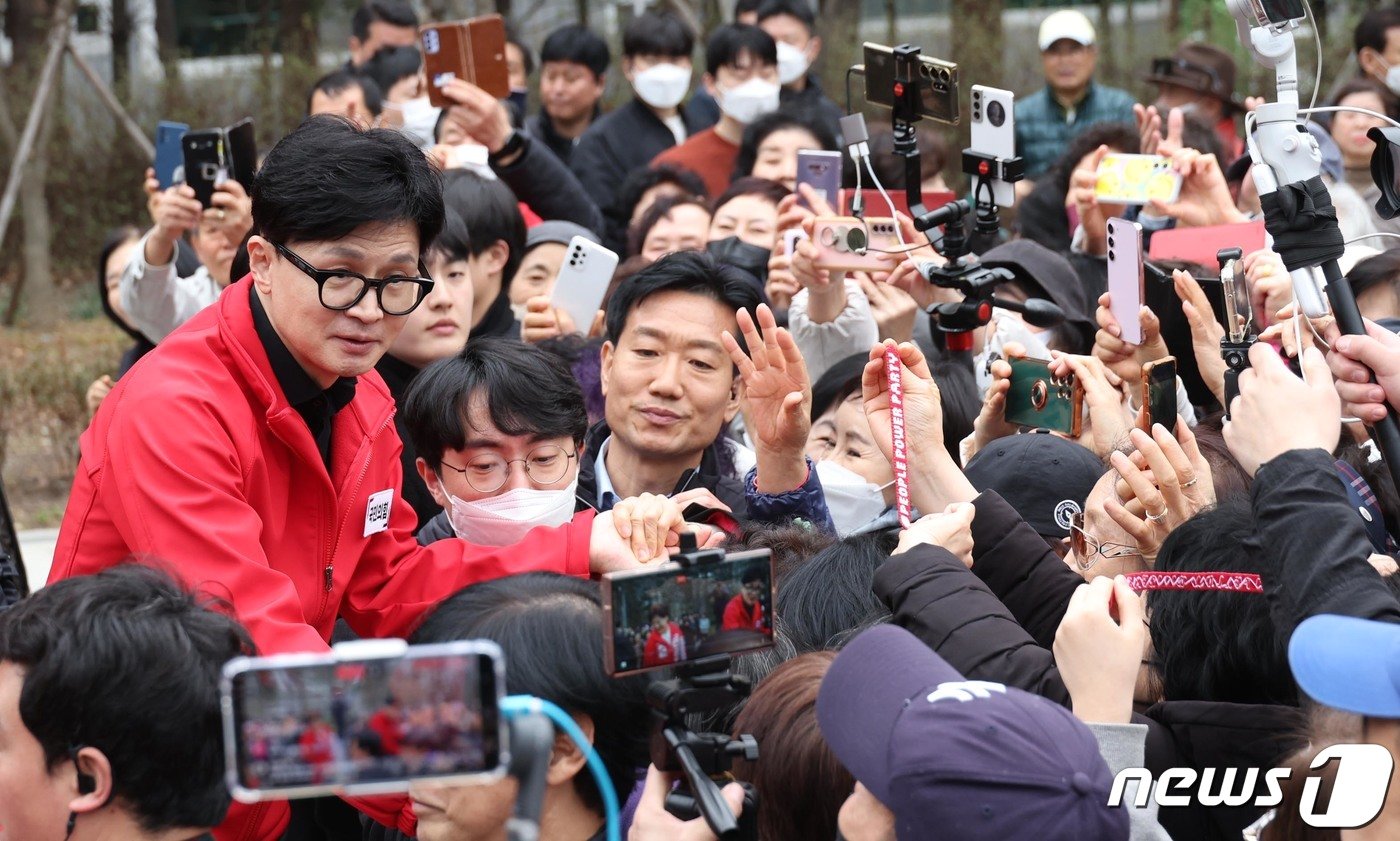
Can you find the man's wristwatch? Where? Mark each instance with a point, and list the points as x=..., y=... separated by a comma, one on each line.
x=513, y=144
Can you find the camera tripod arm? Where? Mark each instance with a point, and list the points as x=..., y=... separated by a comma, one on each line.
x=706, y=793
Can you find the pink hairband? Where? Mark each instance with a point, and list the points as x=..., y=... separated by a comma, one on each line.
x=1230, y=582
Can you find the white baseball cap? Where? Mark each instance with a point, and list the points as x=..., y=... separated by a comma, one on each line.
x=1066, y=23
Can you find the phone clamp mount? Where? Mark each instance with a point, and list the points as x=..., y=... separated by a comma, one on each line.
x=702, y=686
x=1239, y=337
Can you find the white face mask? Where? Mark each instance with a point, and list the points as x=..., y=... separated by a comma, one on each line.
x=792, y=63
x=662, y=85
x=504, y=520
x=852, y=500
x=1392, y=76
x=1005, y=327
x=419, y=119
x=749, y=101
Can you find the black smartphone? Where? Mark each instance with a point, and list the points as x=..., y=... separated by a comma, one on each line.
x=206, y=163
x=670, y=614
x=364, y=718
x=242, y=153
x=1159, y=394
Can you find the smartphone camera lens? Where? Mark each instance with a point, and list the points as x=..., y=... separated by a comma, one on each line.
x=996, y=114
x=1110, y=241
x=1111, y=255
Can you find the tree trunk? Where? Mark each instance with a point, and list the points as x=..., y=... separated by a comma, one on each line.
x=503, y=8
x=977, y=41
x=891, y=15
x=1173, y=21
x=296, y=29
x=166, y=37
x=121, y=44
x=581, y=10
x=839, y=22
x=1108, y=57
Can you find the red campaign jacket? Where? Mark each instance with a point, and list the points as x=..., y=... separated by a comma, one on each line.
x=196, y=460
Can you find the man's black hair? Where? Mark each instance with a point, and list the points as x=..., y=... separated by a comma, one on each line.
x=1218, y=646
x=128, y=662
x=754, y=574
x=769, y=124
x=730, y=42
x=329, y=177
x=528, y=391
x=578, y=44
x=1382, y=269
x=394, y=12
x=799, y=9
x=770, y=191
x=550, y=628
x=491, y=212
x=528, y=57
x=390, y=65
x=657, y=33
x=454, y=241
x=643, y=179
x=827, y=600
x=662, y=610
x=660, y=209
x=342, y=79
x=693, y=272
x=745, y=6
x=957, y=394
x=1372, y=28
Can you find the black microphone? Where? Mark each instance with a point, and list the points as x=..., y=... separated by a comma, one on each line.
x=1038, y=311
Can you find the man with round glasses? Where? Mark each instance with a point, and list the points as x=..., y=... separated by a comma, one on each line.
x=255, y=451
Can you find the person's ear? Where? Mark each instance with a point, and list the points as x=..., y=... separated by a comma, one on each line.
x=814, y=48
x=710, y=85
x=566, y=760
x=731, y=408
x=1370, y=63
x=601, y=82
x=605, y=371
x=92, y=781
x=261, y=256
x=629, y=71
x=496, y=257
x=432, y=481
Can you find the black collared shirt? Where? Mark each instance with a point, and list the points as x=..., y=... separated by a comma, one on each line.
x=316, y=406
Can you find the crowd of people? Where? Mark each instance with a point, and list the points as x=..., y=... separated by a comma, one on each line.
x=368, y=340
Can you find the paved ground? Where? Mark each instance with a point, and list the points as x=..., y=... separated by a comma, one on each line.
x=37, y=547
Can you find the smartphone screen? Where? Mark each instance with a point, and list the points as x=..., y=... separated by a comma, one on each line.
x=307, y=728
x=1159, y=393
x=205, y=162
x=822, y=171
x=1125, y=277
x=673, y=614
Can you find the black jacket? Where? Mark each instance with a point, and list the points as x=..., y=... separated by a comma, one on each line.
x=814, y=106
x=541, y=127
x=714, y=473
x=549, y=187
x=398, y=376
x=619, y=142
x=1308, y=528
x=499, y=319
x=971, y=622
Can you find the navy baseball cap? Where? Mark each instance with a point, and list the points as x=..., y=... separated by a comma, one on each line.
x=976, y=759
x=1044, y=477
x=1348, y=664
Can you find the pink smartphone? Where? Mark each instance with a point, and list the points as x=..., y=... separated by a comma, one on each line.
x=1125, y=277
x=848, y=244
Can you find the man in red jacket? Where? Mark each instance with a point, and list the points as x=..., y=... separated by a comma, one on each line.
x=255, y=449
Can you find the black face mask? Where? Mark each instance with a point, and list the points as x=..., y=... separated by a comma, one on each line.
x=742, y=255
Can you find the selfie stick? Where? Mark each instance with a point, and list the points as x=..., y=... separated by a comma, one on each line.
x=894, y=372
x=1298, y=211
x=532, y=736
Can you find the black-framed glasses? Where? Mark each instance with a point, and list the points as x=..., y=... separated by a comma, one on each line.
x=342, y=289
x=1165, y=66
x=1086, y=547
x=488, y=472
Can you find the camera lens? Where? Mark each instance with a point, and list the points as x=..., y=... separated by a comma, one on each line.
x=1110, y=254
x=996, y=114
x=1110, y=240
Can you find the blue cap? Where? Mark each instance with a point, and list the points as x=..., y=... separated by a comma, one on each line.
x=976, y=759
x=1348, y=664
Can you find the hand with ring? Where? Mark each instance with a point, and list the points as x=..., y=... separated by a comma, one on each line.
x=1162, y=485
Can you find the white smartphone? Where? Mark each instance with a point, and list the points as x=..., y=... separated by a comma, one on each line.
x=1126, y=277
x=583, y=281
x=994, y=133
